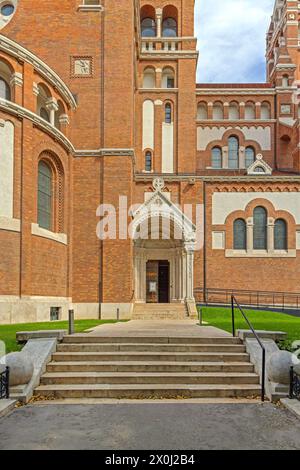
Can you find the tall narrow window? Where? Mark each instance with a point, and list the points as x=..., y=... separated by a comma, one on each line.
x=168, y=114
x=260, y=229
x=4, y=90
x=216, y=157
x=148, y=161
x=44, y=196
x=169, y=28
x=240, y=234
x=148, y=28
x=280, y=235
x=233, y=152
x=249, y=156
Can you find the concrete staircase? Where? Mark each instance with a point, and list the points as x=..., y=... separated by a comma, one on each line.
x=149, y=367
x=160, y=312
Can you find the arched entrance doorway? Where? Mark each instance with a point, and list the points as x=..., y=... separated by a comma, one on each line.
x=164, y=244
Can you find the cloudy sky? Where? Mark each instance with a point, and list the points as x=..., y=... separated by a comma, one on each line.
x=231, y=39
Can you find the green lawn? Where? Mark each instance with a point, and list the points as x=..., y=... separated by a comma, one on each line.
x=221, y=318
x=8, y=332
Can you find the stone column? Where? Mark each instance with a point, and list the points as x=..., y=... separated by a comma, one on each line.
x=158, y=22
x=250, y=234
x=242, y=158
x=271, y=228
x=190, y=275
x=52, y=106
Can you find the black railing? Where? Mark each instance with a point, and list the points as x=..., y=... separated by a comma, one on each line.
x=259, y=299
x=295, y=385
x=4, y=383
x=263, y=372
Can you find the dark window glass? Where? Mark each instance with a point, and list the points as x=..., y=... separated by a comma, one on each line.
x=148, y=161
x=259, y=169
x=44, y=114
x=233, y=153
x=260, y=229
x=240, y=235
x=250, y=156
x=168, y=113
x=148, y=28
x=170, y=82
x=280, y=235
x=169, y=28
x=7, y=10
x=4, y=90
x=216, y=158
x=44, y=196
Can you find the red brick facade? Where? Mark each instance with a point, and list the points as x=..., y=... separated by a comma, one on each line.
x=116, y=83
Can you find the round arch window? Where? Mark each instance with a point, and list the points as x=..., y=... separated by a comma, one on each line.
x=7, y=9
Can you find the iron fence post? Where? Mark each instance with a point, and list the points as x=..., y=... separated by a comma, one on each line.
x=233, y=319
x=263, y=379
x=291, y=382
x=7, y=383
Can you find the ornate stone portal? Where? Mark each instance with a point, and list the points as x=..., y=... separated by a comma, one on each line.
x=162, y=232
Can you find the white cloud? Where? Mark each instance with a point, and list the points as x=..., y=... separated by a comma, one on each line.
x=232, y=39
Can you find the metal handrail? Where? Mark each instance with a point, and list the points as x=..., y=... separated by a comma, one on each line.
x=279, y=300
x=233, y=302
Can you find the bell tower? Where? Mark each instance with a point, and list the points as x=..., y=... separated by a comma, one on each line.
x=165, y=101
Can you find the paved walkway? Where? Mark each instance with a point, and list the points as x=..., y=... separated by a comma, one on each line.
x=168, y=328
x=162, y=426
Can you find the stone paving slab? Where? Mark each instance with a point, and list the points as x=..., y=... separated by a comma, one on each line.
x=148, y=426
x=168, y=328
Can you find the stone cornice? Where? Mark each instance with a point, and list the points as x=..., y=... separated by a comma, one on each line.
x=105, y=153
x=18, y=51
x=220, y=179
x=235, y=91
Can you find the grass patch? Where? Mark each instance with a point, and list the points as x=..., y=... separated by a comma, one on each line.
x=8, y=332
x=261, y=320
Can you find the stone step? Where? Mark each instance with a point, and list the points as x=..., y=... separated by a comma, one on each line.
x=150, y=356
x=148, y=391
x=86, y=338
x=159, y=316
x=139, y=366
x=51, y=378
x=151, y=347
x=158, y=307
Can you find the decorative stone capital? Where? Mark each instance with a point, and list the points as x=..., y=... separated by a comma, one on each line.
x=51, y=104
x=16, y=79
x=64, y=119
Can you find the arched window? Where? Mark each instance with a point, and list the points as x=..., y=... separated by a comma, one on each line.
x=260, y=229
x=168, y=114
x=239, y=235
x=169, y=28
x=250, y=111
x=249, y=156
x=285, y=81
x=168, y=78
x=265, y=112
x=218, y=112
x=234, y=111
x=4, y=90
x=280, y=235
x=148, y=161
x=233, y=152
x=202, y=113
x=45, y=182
x=149, y=78
x=148, y=28
x=44, y=114
x=216, y=157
